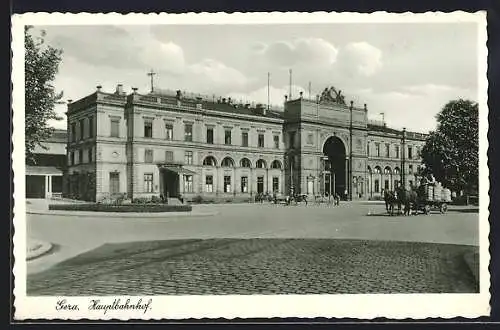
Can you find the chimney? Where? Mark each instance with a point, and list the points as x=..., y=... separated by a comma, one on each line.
x=301, y=94
x=98, y=87
x=229, y=100
x=247, y=105
x=134, y=89
x=286, y=98
x=178, y=94
x=119, y=89
x=366, y=109
x=198, y=102
x=70, y=101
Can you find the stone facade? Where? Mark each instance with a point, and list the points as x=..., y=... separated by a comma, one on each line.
x=170, y=145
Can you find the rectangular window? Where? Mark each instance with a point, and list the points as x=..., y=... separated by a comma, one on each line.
x=148, y=182
x=91, y=127
x=410, y=182
x=377, y=149
x=89, y=151
x=188, y=132
x=396, y=182
x=410, y=169
x=209, y=183
x=410, y=153
x=260, y=142
x=82, y=129
x=292, y=139
x=397, y=151
x=210, y=135
x=148, y=156
x=169, y=131
x=72, y=158
x=244, y=184
x=188, y=183
x=188, y=158
x=386, y=184
x=244, y=139
x=115, y=127
x=169, y=156
x=73, y=132
x=276, y=184
x=377, y=186
x=114, y=182
x=80, y=156
x=276, y=140
x=227, y=184
x=260, y=184
x=227, y=136
x=148, y=129
x=368, y=148
x=387, y=150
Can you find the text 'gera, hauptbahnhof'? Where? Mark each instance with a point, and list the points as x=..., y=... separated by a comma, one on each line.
x=172, y=144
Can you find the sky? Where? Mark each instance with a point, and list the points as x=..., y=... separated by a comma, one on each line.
x=407, y=71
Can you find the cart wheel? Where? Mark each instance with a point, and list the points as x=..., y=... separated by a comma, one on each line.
x=443, y=208
x=427, y=209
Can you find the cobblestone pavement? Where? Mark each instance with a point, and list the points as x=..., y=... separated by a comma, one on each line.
x=259, y=266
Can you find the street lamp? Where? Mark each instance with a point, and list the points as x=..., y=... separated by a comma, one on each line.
x=403, y=141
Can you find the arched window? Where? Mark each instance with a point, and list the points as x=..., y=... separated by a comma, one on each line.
x=387, y=170
x=227, y=162
x=276, y=164
x=261, y=163
x=245, y=162
x=377, y=170
x=369, y=170
x=209, y=161
x=397, y=171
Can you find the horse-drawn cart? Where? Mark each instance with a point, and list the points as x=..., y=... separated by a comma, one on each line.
x=433, y=197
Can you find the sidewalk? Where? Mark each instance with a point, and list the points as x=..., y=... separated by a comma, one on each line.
x=122, y=214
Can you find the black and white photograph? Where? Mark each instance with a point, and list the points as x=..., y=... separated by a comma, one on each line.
x=250, y=165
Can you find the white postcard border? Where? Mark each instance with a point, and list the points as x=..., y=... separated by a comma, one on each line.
x=396, y=306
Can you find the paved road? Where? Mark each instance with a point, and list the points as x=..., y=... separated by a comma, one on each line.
x=260, y=266
x=74, y=235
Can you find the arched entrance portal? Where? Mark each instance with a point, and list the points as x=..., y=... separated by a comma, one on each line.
x=334, y=167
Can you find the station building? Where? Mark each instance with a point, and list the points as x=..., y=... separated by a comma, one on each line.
x=176, y=145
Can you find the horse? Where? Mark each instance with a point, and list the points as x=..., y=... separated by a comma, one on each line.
x=296, y=198
x=391, y=199
x=409, y=199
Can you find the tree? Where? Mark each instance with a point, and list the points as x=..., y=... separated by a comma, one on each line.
x=451, y=152
x=41, y=66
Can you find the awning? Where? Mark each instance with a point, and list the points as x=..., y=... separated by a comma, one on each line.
x=42, y=170
x=177, y=169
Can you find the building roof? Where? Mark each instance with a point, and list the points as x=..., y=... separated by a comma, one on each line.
x=190, y=100
x=392, y=131
x=42, y=170
x=59, y=135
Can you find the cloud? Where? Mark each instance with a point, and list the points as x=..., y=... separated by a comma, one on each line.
x=360, y=58
x=311, y=51
x=167, y=56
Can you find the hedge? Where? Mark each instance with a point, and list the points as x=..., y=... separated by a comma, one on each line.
x=140, y=208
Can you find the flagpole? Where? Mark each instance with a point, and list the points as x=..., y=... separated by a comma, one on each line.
x=268, y=93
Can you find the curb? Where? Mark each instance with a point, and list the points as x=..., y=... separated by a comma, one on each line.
x=41, y=249
x=472, y=261
x=125, y=215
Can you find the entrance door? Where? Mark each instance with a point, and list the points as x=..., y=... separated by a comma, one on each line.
x=310, y=187
x=114, y=183
x=260, y=184
x=170, y=184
